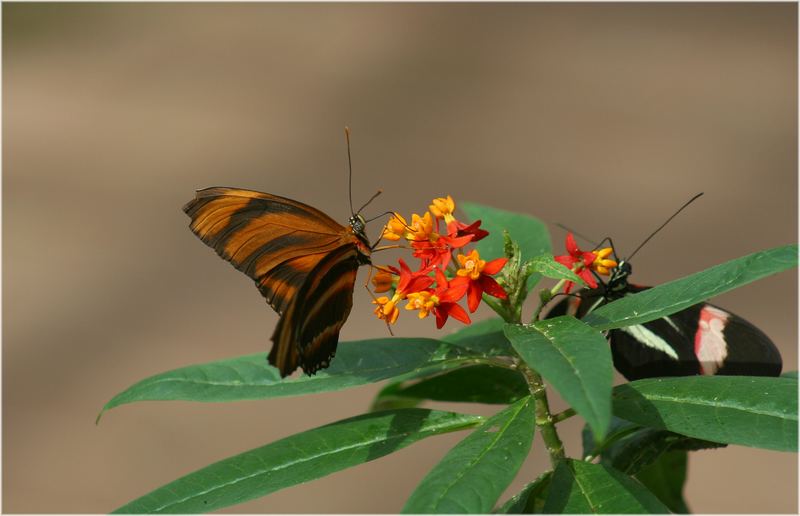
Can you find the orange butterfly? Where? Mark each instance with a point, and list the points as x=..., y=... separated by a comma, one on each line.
x=303, y=262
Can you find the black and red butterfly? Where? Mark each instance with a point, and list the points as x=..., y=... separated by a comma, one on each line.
x=703, y=339
x=303, y=262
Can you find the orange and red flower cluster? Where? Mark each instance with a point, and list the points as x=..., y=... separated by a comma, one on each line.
x=583, y=263
x=438, y=284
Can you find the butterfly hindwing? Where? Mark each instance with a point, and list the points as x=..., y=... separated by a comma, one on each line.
x=701, y=339
x=308, y=333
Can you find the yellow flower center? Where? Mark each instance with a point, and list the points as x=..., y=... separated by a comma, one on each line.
x=471, y=265
x=423, y=301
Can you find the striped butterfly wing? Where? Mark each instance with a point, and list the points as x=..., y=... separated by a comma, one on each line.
x=275, y=241
x=308, y=333
x=303, y=262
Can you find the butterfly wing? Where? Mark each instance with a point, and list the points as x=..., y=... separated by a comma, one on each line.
x=275, y=241
x=308, y=332
x=701, y=339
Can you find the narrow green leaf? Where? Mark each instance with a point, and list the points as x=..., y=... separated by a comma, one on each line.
x=575, y=360
x=584, y=488
x=482, y=339
x=665, y=478
x=357, y=363
x=472, y=384
x=531, y=499
x=546, y=265
x=642, y=448
x=473, y=475
x=747, y=410
x=528, y=232
x=389, y=399
x=296, y=459
x=617, y=430
x=676, y=295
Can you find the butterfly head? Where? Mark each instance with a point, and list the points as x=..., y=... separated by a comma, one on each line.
x=358, y=223
x=619, y=278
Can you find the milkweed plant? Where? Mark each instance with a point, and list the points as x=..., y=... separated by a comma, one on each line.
x=636, y=436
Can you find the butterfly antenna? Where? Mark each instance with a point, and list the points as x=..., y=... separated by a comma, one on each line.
x=350, y=168
x=690, y=201
x=369, y=201
x=562, y=226
x=379, y=216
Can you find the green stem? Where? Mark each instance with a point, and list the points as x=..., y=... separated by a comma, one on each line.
x=544, y=420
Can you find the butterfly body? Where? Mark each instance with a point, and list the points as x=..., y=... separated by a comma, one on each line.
x=701, y=339
x=302, y=261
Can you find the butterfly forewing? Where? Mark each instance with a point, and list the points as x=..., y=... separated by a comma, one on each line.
x=296, y=255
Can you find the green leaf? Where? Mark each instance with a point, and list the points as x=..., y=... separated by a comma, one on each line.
x=296, y=459
x=574, y=359
x=531, y=499
x=528, y=232
x=473, y=475
x=546, y=265
x=676, y=295
x=357, y=363
x=751, y=411
x=389, y=398
x=485, y=338
x=617, y=430
x=472, y=384
x=665, y=478
x=583, y=488
x=642, y=448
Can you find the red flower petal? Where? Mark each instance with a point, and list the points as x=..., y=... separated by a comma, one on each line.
x=418, y=283
x=568, y=286
x=457, y=242
x=441, y=279
x=457, y=312
x=491, y=287
x=588, y=258
x=494, y=266
x=441, y=317
x=453, y=293
x=587, y=276
x=572, y=246
x=565, y=260
x=474, y=295
x=458, y=228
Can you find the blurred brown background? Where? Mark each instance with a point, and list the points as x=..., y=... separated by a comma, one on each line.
x=604, y=117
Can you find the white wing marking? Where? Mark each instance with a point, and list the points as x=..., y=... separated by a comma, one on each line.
x=709, y=342
x=650, y=339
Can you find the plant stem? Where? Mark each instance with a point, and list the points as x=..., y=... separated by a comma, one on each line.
x=544, y=420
